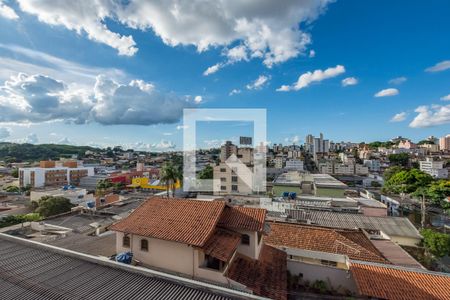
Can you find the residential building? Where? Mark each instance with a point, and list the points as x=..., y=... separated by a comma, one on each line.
x=444, y=143
x=279, y=161
x=294, y=164
x=77, y=196
x=52, y=173
x=374, y=165
x=334, y=168
x=322, y=185
x=206, y=240
x=397, y=229
x=406, y=144
x=226, y=150
x=383, y=281
x=434, y=168
x=226, y=180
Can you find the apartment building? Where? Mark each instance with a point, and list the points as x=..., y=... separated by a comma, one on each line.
x=294, y=164
x=334, y=168
x=374, y=165
x=444, y=143
x=279, y=161
x=406, y=144
x=226, y=179
x=53, y=173
x=434, y=168
x=227, y=150
x=228, y=182
x=205, y=240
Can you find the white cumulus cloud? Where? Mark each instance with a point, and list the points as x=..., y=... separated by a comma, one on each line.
x=441, y=66
x=310, y=77
x=234, y=92
x=446, y=98
x=432, y=115
x=397, y=80
x=198, y=99
x=399, y=117
x=387, y=93
x=213, y=69
x=349, y=81
x=4, y=133
x=293, y=140
x=264, y=29
x=31, y=138
x=7, y=12
x=258, y=83
x=38, y=98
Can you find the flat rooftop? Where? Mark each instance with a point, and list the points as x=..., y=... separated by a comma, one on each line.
x=320, y=180
x=31, y=270
x=327, y=181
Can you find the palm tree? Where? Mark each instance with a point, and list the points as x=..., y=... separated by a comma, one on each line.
x=170, y=174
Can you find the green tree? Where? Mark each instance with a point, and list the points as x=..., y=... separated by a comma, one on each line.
x=435, y=242
x=407, y=181
x=49, y=206
x=170, y=174
x=206, y=173
x=103, y=184
x=400, y=159
x=389, y=172
x=17, y=219
x=15, y=173
x=12, y=189
x=437, y=192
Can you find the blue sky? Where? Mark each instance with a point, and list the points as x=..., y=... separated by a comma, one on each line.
x=103, y=74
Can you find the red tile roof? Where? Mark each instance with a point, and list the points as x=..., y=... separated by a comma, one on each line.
x=186, y=221
x=222, y=244
x=246, y=218
x=397, y=283
x=352, y=243
x=266, y=276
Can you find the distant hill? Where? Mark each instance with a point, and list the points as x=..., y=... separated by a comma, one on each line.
x=12, y=152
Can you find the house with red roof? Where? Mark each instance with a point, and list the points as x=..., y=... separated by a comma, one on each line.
x=205, y=240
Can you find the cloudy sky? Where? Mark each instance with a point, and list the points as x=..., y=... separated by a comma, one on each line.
x=112, y=72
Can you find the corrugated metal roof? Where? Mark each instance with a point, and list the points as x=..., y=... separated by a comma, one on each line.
x=31, y=272
x=392, y=226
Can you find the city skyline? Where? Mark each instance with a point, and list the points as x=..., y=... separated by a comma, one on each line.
x=334, y=68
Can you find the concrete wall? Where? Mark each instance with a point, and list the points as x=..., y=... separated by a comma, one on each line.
x=172, y=256
x=205, y=273
x=254, y=248
x=339, y=279
x=278, y=190
x=405, y=241
x=330, y=192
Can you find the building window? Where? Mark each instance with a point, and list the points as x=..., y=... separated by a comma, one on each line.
x=328, y=263
x=144, y=245
x=223, y=179
x=234, y=178
x=212, y=262
x=223, y=170
x=245, y=239
x=223, y=188
x=126, y=241
x=234, y=187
